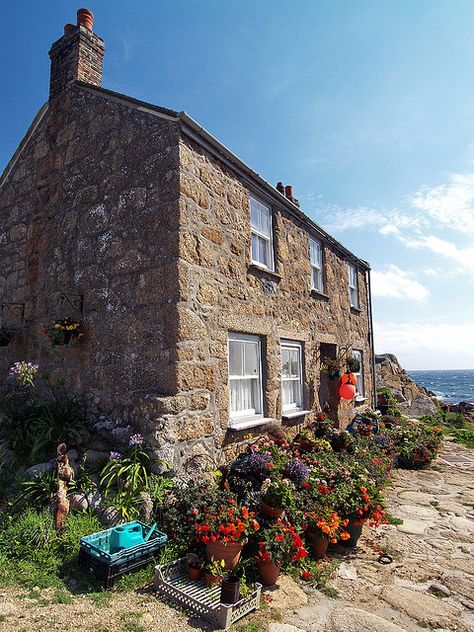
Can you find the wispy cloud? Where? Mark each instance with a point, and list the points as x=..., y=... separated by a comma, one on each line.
x=437, y=219
x=395, y=283
x=450, y=204
x=427, y=345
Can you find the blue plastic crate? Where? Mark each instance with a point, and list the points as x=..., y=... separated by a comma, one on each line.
x=98, y=545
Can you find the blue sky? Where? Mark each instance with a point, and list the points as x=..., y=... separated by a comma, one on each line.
x=366, y=107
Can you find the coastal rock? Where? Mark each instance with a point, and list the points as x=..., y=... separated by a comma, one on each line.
x=413, y=400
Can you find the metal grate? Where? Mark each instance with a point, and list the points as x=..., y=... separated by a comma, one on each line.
x=172, y=581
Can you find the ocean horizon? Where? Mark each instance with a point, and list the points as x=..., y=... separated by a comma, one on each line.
x=449, y=385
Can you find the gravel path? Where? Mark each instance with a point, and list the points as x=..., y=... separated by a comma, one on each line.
x=430, y=583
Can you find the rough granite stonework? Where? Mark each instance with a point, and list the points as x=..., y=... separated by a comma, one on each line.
x=111, y=199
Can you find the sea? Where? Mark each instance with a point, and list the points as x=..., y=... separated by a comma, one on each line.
x=451, y=386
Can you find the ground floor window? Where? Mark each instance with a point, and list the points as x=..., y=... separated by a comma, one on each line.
x=360, y=391
x=291, y=376
x=245, y=378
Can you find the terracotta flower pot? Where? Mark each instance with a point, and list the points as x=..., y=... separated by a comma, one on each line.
x=268, y=572
x=212, y=580
x=227, y=551
x=194, y=573
x=268, y=510
x=319, y=547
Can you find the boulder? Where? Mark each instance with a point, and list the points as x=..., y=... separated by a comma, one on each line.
x=413, y=400
x=39, y=468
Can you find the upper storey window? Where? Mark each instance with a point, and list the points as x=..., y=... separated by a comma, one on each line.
x=317, y=273
x=353, y=286
x=262, y=234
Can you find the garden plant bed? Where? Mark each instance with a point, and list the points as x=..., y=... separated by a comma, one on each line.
x=172, y=581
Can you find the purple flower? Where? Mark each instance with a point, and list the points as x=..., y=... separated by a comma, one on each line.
x=115, y=456
x=23, y=373
x=258, y=463
x=135, y=439
x=297, y=471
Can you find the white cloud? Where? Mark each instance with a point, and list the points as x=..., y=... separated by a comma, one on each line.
x=430, y=345
x=395, y=283
x=450, y=205
x=463, y=256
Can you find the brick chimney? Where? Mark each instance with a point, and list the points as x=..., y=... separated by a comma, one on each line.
x=77, y=55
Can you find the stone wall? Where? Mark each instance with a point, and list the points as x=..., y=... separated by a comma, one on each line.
x=90, y=208
x=222, y=292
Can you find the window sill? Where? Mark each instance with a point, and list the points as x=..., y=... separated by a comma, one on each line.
x=355, y=310
x=321, y=296
x=254, y=267
x=250, y=423
x=294, y=414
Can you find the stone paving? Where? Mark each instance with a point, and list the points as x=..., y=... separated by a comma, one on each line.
x=429, y=584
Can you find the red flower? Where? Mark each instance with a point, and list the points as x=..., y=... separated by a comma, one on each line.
x=306, y=575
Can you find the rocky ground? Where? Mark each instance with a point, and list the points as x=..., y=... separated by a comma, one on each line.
x=429, y=584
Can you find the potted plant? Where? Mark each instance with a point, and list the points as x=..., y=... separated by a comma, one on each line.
x=194, y=566
x=280, y=542
x=230, y=589
x=213, y=572
x=331, y=366
x=223, y=525
x=358, y=500
x=324, y=525
x=6, y=334
x=63, y=330
x=353, y=365
x=276, y=497
x=341, y=441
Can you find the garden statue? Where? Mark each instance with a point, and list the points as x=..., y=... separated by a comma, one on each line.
x=65, y=474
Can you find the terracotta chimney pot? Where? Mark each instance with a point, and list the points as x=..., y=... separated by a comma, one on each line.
x=280, y=187
x=85, y=18
x=289, y=191
x=68, y=28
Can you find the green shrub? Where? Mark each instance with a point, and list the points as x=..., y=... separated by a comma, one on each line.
x=464, y=436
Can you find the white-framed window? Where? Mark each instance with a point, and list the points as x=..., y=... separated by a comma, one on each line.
x=353, y=286
x=291, y=376
x=262, y=233
x=317, y=272
x=245, y=378
x=360, y=391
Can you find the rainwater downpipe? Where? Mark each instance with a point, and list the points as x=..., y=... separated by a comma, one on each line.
x=371, y=340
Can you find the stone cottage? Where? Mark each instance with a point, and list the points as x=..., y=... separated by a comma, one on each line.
x=207, y=297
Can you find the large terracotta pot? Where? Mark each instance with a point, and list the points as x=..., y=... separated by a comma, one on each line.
x=268, y=510
x=268, y=572
x=227, y=551
x=354, y=529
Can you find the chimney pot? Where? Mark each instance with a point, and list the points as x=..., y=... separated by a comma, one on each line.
x=85, y=18
x=68, y=28
x=280, y=187
x=289, y=191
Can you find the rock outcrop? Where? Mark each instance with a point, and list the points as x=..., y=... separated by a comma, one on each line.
x=413, y=400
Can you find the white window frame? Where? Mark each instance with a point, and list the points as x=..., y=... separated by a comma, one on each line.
x=360, y=387
x=259, y=234
x=317, y=264
x=353, y=286
x=242, y=418
x=293, y=406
